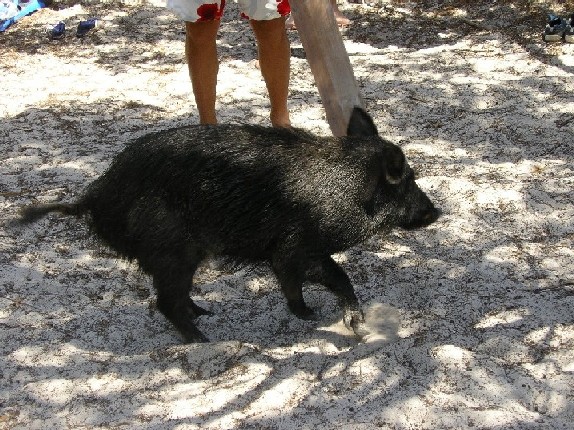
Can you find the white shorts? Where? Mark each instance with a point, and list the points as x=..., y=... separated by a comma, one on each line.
x=209, y=10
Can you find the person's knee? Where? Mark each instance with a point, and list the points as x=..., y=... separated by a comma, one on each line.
x=271, y=34
x=272, y=27
x=201, y=32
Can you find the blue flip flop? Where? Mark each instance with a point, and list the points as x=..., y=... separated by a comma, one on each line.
x=555, y=28
x=58, y=31
x=86, y=27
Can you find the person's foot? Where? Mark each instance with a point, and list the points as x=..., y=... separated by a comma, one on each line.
x=290, y=23
x=280, y=120
x=342, y=20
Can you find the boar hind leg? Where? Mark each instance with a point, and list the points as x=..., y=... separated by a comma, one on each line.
x=332, y=276
x=291, y=276
x=174, y=302
x=163, y=250
x=173, y=280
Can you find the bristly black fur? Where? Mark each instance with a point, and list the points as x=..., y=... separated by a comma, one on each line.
x=285, y=196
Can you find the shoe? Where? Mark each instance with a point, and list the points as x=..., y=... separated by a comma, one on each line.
x=569, y=31
x=58, y=31
x=86, y=27
x=555, y=28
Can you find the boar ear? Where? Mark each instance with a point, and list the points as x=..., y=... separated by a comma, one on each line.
x=361, y=124
x=395, y=164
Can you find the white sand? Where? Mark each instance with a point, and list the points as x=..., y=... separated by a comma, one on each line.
x=473, y=317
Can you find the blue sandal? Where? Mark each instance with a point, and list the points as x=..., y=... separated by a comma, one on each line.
x=555, y=28
x=86, y=27
x=58, y=31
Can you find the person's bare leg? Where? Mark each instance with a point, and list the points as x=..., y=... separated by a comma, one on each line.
x=274, y=60
x=203, y=65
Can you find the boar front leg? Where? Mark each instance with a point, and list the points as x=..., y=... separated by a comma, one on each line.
x=332, y=276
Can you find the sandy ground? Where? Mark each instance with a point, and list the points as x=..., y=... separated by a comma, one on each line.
x=473, y=318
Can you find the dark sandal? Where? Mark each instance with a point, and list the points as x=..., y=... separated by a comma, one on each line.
x=86, y=27
x=58, y=31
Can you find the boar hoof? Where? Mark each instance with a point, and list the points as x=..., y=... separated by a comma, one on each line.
x=354, y=319
x=182, y=317
x=188, y=329
x=194, y=336
x=301, y=310
x=198, y=310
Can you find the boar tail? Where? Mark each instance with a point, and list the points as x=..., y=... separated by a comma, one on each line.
x=31, y=214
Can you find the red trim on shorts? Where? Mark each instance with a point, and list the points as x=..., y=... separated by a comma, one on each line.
x=284, y=8
x=210, y=12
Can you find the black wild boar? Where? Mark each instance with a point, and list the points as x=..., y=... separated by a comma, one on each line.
x=173, y=198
